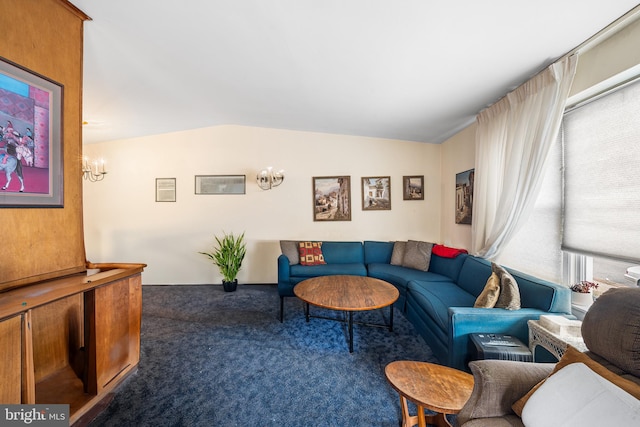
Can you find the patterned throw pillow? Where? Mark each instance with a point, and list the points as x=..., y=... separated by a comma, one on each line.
x=311, y=253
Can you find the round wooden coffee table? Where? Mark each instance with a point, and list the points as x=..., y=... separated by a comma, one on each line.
x=438, y=388
x=348, y=294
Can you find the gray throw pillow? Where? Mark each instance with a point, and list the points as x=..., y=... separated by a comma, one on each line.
x=417, y=255
x=509, y=297
x=398, y=253
x=290, y=249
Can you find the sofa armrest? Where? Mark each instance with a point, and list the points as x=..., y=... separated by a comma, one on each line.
x=468, y=320
x=284, y=269
x=498, y=384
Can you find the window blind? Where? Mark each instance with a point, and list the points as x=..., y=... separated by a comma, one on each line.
x=601, y=209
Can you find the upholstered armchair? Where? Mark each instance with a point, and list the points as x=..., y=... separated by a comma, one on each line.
x=506, y=390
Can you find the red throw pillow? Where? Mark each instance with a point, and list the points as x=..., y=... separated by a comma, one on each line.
x=447, y=252
x=311, y=253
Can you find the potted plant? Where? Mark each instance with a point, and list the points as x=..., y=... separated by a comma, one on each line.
x=581, y=293
x=228, y=256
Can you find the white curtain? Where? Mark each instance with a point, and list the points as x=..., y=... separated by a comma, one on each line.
x=513, y=138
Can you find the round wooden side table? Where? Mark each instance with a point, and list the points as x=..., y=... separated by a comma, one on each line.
x=438, y=388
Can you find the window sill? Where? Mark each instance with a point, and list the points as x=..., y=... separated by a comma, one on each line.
x=579, y=310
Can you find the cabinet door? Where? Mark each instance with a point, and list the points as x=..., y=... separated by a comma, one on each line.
x=11, y=357
x=117, y=315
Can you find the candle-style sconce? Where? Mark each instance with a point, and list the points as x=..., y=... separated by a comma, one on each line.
x=93, y=171
x=268, y=178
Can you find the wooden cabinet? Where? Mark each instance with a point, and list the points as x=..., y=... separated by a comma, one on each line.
x=71, y=340
x=11, y=356
x=114, y=324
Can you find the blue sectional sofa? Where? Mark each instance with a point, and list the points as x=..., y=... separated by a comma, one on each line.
x=438, y=302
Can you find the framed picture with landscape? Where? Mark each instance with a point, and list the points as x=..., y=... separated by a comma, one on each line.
x=376, y=193
x=464, y=196
x=332, y=198
x=31, y=173
x=413, y=187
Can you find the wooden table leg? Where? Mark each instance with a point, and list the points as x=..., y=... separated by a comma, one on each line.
x=421, y=419
x=407, y=420
x=438, y=420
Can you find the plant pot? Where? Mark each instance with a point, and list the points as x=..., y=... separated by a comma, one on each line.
x=583, y=299
x=230, y=286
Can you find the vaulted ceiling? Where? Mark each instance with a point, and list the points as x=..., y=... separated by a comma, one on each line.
x=413, y=70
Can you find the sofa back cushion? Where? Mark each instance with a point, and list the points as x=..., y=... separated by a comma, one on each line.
x=474, y=275
x=534, y=292
x=542, y=294
x=343, y=252
x=449, y=267
x=377, y=252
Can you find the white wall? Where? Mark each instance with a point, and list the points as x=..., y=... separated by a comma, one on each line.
x=458, y=155
x=123, y=223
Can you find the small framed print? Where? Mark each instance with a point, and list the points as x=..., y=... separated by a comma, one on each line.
x=376, y=193
x=332, y=198
x=220, y=184
x=165, y=189
x=413, y=187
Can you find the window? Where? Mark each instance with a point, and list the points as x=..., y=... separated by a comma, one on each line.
x=601, y=212
x=589, y=204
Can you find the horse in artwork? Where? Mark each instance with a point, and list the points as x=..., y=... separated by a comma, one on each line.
x=23, y=152
x=10, y=164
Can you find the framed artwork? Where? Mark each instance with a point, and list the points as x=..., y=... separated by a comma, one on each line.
x=464, y=196
x=220, y=184
x=413, y=187
x=332, y=198
x=165, y=189
x=31, y=167
x=376, y=193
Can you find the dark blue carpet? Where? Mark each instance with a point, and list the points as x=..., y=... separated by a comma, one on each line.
x=210, y=358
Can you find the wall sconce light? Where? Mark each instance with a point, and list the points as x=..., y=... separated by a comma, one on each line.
x=267, y=178
x=93, y=171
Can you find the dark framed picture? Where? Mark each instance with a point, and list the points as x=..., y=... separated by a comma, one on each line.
x=31, y=167
x=376, y=193
x=165, y=189
x=220, y=184
x=413, y=187
x=332, y=198
x=464, y=196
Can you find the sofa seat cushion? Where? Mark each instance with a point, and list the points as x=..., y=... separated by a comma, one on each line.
x=355, y=269
x=399, y=276
x=435, y=298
